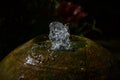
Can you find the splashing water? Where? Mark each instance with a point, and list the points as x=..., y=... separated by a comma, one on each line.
x=59, y=36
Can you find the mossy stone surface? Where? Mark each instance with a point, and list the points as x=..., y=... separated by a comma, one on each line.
x=86, y=61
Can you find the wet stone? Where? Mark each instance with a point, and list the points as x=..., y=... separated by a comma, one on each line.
x=34, y=61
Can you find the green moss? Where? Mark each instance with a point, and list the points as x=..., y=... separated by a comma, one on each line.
x=78, y=42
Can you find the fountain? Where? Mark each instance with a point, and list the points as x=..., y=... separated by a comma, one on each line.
x=57, y=56
x=59, y=36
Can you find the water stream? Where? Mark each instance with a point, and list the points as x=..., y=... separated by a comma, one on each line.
x=59, y=36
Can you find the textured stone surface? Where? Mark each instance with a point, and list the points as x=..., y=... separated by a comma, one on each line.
x=86, y=60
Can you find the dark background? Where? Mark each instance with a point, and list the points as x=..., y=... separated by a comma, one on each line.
x=21, y=20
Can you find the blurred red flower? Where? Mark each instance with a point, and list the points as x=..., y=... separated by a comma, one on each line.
x=70, y=12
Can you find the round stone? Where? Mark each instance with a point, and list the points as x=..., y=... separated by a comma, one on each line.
x=34, y=60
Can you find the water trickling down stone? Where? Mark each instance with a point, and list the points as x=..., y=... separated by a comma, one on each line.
x=59, y=36
x=37, y=56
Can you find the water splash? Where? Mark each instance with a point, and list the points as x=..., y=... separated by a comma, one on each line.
x=59, y=36
x=41, y=53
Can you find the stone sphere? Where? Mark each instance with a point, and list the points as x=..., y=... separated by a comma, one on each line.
x=35, y=61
